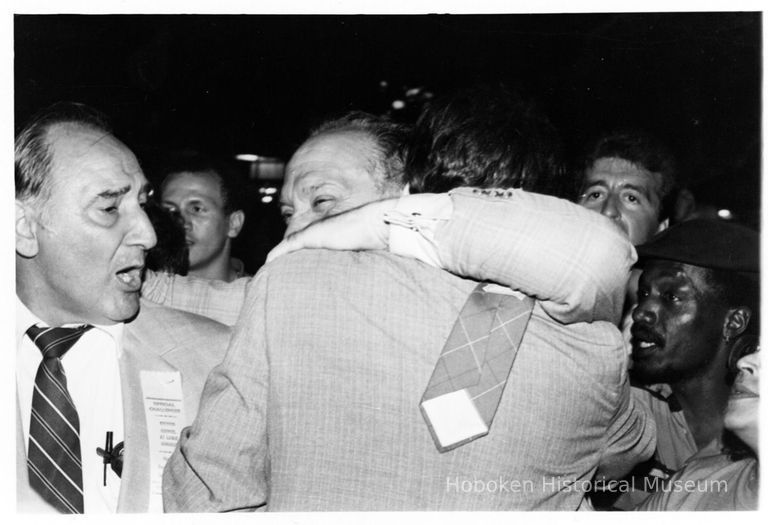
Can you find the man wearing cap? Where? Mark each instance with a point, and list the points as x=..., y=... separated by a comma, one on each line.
x=698, y=300
x=697, y=312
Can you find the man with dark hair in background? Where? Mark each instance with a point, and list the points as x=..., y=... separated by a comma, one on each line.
x=104, y=380
x=206, y=195
x=342, y=384
x=631, y=178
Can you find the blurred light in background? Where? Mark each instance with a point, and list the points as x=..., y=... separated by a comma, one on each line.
x=247, y=157
x=262, y=168
x=725, y=214
x=266, y=194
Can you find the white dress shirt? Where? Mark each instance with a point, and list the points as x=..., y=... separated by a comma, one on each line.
x=93, y=380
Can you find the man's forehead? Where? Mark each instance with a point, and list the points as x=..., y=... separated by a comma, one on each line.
x=90, y=156
x=663, y=269
x=614, y=169
x=334, y=150
x=76, y=140
x=203, y=184
x=313, y=165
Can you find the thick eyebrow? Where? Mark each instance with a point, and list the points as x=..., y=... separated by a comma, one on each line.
x=111, y=194
x=628, y=186
x=640, y=189
x=592, y=183
x=588, y=185
x=304, y=189
x=146, y=189
x=200, y=200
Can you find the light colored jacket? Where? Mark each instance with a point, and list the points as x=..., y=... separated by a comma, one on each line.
x=316, y=406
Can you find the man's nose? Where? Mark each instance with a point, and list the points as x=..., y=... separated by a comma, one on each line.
x=610, y=207
x=142, y=233
x=645, y=312
x=187, y=222
x=749, y=364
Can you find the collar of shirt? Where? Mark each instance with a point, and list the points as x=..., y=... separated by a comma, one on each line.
x=91, y=366
x=25, y=318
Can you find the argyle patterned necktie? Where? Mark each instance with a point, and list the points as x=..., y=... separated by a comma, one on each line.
x=469, y=378
x=53, y=458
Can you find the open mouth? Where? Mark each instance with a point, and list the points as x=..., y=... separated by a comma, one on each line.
x=644, y=341
x=130, y=277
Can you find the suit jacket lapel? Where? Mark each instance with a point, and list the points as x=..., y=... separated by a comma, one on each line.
x=134, y=484
x=137, y=356
x=152, y=342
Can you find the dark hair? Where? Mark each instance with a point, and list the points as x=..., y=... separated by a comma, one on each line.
x=33, y=155
x=195, y=162
x=171, y=253
x=645, y=151
x=488, y=137
x=389, y=139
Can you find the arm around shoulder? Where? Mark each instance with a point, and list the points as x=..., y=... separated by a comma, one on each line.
x=572, y=259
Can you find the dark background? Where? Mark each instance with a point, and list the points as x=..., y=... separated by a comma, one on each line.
x=227, y=84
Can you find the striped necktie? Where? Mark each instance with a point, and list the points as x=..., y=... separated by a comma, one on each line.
x=53, y=458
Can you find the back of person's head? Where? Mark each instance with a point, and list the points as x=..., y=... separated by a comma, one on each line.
x=190, y=161
x=487, y=137
x=388, y=138
x=644, y=151
x=170, y=254
x=33, y=155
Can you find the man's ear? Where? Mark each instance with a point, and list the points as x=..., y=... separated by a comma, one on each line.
x=26, y=230
x=236, y=221
x=663, y=225
x=736, y=321
x=406, y=189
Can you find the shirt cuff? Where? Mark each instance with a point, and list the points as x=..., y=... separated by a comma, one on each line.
x=412, y=225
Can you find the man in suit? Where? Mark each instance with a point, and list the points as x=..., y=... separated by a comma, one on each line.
x=316, y=406
x=104, y=381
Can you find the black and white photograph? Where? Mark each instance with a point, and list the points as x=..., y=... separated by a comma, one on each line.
x=386, y=260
